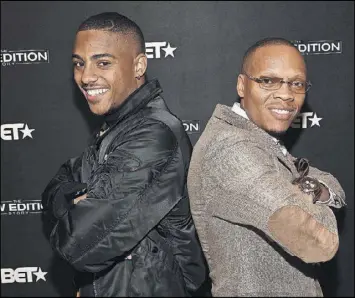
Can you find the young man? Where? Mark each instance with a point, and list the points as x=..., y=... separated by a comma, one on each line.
x=262, y=215
x=121, y=209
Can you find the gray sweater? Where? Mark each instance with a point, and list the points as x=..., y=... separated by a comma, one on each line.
x=260, y=234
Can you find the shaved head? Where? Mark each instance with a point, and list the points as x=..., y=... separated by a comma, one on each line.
x=247, y=58
x=114, y=22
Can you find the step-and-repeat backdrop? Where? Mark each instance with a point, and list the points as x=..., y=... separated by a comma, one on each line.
x=195, y=50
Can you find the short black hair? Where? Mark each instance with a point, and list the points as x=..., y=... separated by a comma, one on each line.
x=263, y=43
x=114, y=22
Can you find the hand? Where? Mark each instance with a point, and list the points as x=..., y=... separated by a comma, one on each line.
x=82, y=197
x=325, y=194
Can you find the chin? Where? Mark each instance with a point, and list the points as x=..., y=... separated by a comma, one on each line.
x=97, y=113
x=97, y=110
x=278, y=134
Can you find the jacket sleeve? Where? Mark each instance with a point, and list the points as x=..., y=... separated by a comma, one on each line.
x=127, y=196
x=254, y=193
x=57, y=195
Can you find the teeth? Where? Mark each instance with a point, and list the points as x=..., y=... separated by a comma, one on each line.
x=94, y=92
x=281, y=111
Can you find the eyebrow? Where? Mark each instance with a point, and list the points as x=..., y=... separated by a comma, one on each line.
x=95, y=57
x=296, y=76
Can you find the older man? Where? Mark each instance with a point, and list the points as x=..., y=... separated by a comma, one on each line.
x=263, y=217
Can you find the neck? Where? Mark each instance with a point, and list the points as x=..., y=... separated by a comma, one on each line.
x=113, y=114
x=276, y=134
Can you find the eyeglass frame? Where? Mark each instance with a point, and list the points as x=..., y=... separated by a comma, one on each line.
x=282, y=81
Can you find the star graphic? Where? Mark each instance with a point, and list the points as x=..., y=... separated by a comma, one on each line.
x=27, y=132
x=315, y=120
x=169, y=50
x=40, y=274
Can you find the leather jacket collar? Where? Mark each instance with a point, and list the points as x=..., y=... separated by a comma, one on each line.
x=134, y=102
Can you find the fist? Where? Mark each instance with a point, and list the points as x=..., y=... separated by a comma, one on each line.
x=82, y=197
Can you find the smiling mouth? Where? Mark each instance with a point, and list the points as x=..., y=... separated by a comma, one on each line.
x=95, y=92
x=282, y=111
x=93, y=95
x=283, y=114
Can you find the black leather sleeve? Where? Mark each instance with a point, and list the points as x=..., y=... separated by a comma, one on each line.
x=58, y=195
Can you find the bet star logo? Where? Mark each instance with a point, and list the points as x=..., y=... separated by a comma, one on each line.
x=301, y=121
x=315, y=120
x=40, y=274
x=22, y=275
x=10, y=132
x=153, y=50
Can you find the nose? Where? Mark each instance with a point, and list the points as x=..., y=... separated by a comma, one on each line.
x=285, y=93
x=88, y=75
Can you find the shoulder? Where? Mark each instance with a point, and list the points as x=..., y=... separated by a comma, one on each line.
x=147, y=136
x=237, y=151
x=222, y=138
x=165, y=121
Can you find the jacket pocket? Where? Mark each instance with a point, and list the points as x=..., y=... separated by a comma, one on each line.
x=155, y=273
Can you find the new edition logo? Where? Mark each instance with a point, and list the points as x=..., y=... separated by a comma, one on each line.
x=21, y=207
x=8, y=58
x=191, y=126
x=318, y=47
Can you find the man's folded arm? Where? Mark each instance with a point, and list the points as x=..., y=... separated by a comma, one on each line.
x=124, y=200
x=254, y=193
x=58, y=194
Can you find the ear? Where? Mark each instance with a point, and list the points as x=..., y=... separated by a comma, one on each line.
x=140, y=65
x=241, y=85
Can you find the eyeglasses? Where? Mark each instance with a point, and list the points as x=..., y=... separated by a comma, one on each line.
x=272, y=83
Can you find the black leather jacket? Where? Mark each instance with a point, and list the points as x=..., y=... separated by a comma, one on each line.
x=138, y=188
